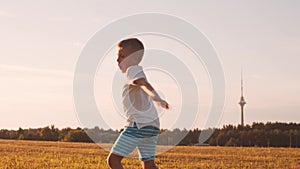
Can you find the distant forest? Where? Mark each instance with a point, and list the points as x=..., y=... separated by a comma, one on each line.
x=258, y=134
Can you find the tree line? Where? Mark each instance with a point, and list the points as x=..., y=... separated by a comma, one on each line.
x=258, y=134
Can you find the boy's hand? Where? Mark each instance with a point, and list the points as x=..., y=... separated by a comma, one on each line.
x=163, y=104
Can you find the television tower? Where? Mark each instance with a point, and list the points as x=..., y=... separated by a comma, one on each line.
x=242, y=102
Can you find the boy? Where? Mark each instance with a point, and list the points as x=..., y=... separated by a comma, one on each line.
x=142, y=125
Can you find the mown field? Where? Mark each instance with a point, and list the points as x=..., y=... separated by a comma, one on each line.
x=38, y=155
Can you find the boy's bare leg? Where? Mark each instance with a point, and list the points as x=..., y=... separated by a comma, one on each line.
x=149, y=164
x=114, y=161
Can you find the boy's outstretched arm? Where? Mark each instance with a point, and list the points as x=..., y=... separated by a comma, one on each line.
x=146, y=86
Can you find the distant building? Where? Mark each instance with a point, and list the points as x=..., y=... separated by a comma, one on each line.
x=242, y=102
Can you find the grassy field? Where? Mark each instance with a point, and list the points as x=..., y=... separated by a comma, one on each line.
x=37, y=154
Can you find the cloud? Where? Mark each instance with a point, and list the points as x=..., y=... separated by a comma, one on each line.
x=61, y=18
x=7, y=14
x=78, y=44
x=9, y=69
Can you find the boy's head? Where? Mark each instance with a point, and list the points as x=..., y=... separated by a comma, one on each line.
x=130, y=52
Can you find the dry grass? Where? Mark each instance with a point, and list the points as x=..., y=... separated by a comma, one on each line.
x=38, y=155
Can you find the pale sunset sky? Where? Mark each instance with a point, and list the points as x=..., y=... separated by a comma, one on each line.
x=42, y=40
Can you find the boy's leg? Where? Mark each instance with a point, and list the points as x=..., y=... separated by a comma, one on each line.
x=149, y=164
x=114, y=161
x=123, y=146
x=147, y=147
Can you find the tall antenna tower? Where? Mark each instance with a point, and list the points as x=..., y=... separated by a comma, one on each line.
x=242, y=101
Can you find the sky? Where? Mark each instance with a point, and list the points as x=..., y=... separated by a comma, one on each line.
x=41, y=42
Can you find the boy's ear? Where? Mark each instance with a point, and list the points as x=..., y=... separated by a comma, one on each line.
x=136, y=57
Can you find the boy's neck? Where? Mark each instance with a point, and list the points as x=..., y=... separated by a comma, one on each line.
x=129, y=67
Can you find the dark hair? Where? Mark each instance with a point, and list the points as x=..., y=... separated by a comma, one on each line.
x=132, y=42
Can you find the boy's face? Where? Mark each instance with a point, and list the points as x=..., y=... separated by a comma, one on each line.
x=121, y=54
x=124, y=60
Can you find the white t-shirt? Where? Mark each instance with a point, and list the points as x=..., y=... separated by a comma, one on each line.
x=138, y=106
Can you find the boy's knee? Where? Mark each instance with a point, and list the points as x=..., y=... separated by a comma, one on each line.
x=108, y=160
x=113, y=160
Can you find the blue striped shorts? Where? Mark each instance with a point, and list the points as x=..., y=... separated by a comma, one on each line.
x=144, y=139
